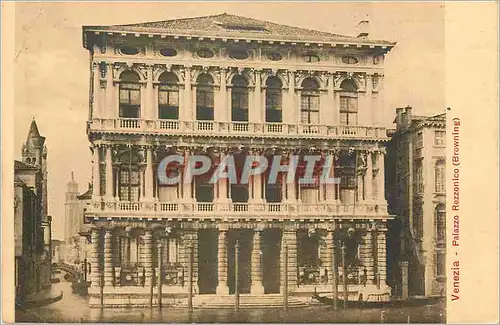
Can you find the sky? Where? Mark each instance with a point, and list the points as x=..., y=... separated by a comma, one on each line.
x=52, y=67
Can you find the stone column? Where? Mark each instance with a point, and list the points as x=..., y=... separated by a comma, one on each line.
x=148, y=100
x=291, y=108
x=369, y=178
x=187, y=195
x=222, y=186
x=148, y=176
x=192, y=240
x=336, y=106
x=110, y=108
x=224, y=113
x=222, y=288
x=257, y=102
x=256, y=287
x=97, y=91
x=148, y=257
x=256, y=181
x=331, y=196
x=381, y=177
x=371, y=117
x=369, y=256
x=360, y=187
x=109, y=174
x=290, y=187
x=404, y=280
x=95, y=270
x=187, y=109
x=108, y=259
x=290, y=239
x=330, y=114
x=382, y=257
x=329, y=254
x=378, y=100
x=96, y=181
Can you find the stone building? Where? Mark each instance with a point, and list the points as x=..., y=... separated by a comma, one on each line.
x=32, y=225
x=226, y=84
x=74, y=248
x=417, y=156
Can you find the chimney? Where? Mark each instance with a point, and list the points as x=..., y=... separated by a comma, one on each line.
x=408, y=115
x=363, y=27
x=399, y=116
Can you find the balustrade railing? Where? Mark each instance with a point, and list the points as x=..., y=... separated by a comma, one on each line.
x=254, y=209
x=274, y=128
x=205, y=126
x=169, y=207
x=239, y=127
x=244, y=128
x=130, y=123
x=169, y=125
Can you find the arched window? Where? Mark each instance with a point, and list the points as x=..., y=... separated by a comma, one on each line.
x=348, y=103
x=274, y=100
x=128, y=176
x=309, y=102
x=439, y=177
x=168, y=96
x=130, y=95
x=239, y=99
x=440, y=222
x=205, y=98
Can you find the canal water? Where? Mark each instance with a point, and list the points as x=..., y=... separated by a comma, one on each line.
x=73, y=308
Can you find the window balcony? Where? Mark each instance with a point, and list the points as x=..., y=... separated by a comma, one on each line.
x=251, y=129
x=211, y=210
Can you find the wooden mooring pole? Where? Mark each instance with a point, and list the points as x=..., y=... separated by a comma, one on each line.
x=160, y=274
x=236, y=276
x=335, y=289
x=190, y=279
x=285, y=280
x=344, y=276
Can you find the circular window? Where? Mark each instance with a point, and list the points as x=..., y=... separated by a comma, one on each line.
x=239, y=54
x=349, y=60
x=311, y=58
x=129, y=50
x=274, y=56
x=205, y=53
x=168, y=52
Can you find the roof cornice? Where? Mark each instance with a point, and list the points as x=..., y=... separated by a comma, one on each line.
x=320, y=41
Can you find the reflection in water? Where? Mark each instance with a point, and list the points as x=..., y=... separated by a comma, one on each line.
x=73, y=308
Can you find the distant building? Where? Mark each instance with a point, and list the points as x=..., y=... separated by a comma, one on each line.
x=73, y=250
x=32, y=225
x=56, y=250
x=416, y=183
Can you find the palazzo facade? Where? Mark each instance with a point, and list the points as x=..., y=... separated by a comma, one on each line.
x=229, y=85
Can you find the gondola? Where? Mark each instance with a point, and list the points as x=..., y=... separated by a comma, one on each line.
x=380, y=304
x=38, y=302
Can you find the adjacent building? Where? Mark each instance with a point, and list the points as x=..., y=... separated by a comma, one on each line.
x=226, y=84
x=416, y=178
x=32, y=225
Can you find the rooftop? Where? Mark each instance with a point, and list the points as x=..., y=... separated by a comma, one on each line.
x=227, y=25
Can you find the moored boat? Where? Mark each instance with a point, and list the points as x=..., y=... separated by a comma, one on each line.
x=397, y=303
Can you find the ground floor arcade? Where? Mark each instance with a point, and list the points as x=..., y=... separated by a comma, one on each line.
x=130, y=260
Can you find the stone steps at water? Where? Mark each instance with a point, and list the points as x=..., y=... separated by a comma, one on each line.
x=227, y=301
